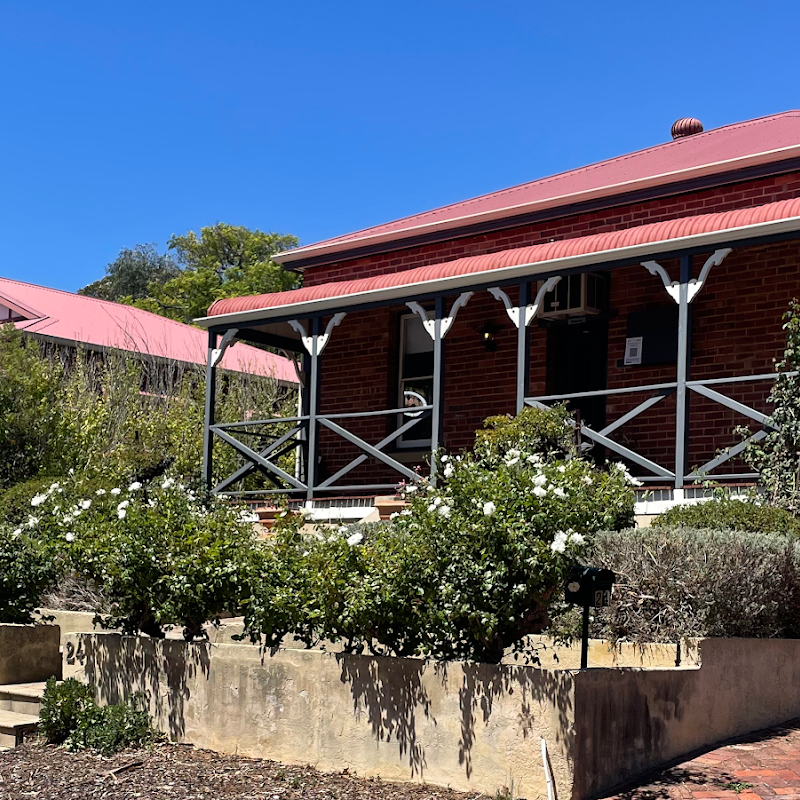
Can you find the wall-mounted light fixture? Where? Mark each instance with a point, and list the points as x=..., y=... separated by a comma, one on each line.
x=488, y=334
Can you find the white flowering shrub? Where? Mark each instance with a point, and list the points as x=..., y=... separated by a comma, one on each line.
x=465, y=571
x=162, y=555
x=28, y=568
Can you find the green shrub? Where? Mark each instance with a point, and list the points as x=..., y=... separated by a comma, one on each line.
x=27, y=569
x=113, y=417
x=465, y=571
x=70, y=716
x=678, y=582
x=15, y=503
x=776, y=457
x=160, y=554
x=730, y=514
x=547, y=432
x=109, y=729
x=63, y=706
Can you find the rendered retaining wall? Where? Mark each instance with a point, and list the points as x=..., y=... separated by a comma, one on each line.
x=29, y=653
x=469, y=726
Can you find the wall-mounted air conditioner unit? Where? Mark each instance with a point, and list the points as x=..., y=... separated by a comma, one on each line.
x=576, y=295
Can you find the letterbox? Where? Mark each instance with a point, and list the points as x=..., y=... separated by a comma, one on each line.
x=589, y=586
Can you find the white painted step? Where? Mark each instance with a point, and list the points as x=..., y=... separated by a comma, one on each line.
x=14, y=726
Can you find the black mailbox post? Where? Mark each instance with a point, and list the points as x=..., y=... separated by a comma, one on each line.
x=589, y=587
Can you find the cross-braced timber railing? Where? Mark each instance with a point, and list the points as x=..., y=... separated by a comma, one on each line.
x=298, y=432
x=657, y=392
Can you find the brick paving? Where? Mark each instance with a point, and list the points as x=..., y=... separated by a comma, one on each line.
x=763, y=765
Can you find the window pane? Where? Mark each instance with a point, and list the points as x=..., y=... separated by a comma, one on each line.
x=417, y=365
x=415, y=337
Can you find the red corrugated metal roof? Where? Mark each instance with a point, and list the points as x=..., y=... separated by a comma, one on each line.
x=68, y=317
x=719, y=150
x=535, y=254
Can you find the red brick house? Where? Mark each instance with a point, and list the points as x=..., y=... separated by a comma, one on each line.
x=646, y=290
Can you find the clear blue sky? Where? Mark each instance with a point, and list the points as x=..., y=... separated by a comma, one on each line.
x=127, y=122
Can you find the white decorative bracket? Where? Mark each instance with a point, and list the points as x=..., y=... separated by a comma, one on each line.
x=532, y=308
x=322, y=338
x=446, y=322
x=227, y=340
x=695, y=284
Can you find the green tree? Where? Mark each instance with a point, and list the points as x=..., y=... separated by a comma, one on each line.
x=132, y=274
x=224, y=261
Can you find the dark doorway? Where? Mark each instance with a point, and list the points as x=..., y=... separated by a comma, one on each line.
x=577, y=356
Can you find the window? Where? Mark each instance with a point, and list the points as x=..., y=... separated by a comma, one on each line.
x=416, y=379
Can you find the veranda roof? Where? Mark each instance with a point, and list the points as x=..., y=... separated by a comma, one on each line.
x=631, y=244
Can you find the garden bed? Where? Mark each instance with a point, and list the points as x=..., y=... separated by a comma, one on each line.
x=184, y=772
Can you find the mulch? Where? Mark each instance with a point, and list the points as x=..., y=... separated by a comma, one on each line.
x=182, y=772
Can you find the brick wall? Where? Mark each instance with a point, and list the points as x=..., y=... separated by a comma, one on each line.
x=736, y=330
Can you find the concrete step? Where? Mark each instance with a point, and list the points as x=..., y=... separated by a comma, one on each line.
x=13, y=727
x=22, y=698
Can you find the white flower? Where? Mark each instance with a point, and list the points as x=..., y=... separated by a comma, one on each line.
x=513, y=453
x=32, y=522
x=559, y=492
x=38, y=500
x=355, y=539
x=540, y=480
x=559, y=544
x=121, y=512
x=70, y=537
x=17, y=532
x=85, y=504
x=135, y=486
x=342, y=529
x=445, y=458
x=587, y=479
x=448, y=471
x=54, y=486
x=489, y=509
x=394, y=515
x=411, y=489
x=71, y=471
x=432, y=508
x=168, y=482
x=561, y=468
x=511, y=461
x=444, y=511
x=437, y=501
x=534, y=459
x=539, y=491
x=406, y=512
x=123, y=504
x=100, y=492
x=116, y=491
x=576, y=538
